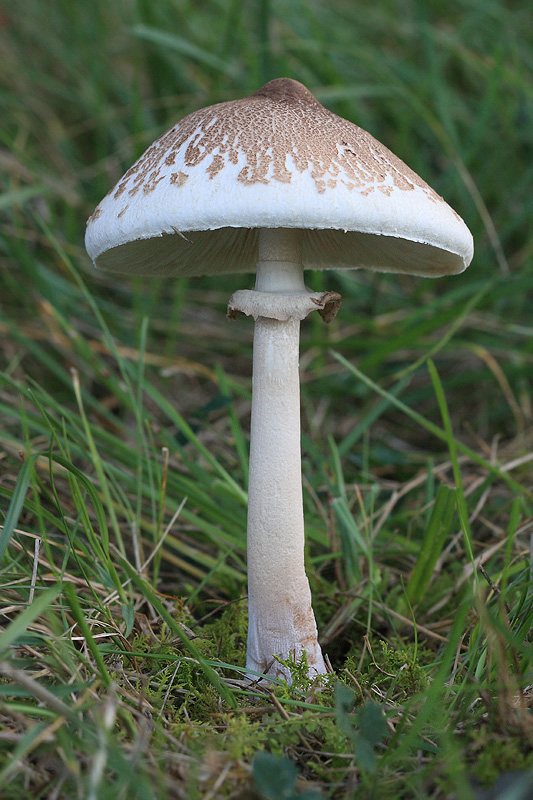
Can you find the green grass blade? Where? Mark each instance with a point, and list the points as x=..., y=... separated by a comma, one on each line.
x=241, y=445
x=19, y=197
x=361, y=428
x=16, y=504
x=404, y=739
x=462, y=508
x=97, y=463
x=431, y=427
x=434, y=537
x=183, y=47
x=188, y=432
x=79, y=616
x=20, y=624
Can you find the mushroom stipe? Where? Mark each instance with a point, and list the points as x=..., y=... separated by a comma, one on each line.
x=274, y=184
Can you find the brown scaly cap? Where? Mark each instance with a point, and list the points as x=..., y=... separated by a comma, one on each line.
x=277, y=158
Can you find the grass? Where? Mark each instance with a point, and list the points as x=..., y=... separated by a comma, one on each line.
x=124, y=412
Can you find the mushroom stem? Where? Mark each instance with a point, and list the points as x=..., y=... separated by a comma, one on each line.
x=281, y=620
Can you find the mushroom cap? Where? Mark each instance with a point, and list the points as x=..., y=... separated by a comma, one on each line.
x=275, y=159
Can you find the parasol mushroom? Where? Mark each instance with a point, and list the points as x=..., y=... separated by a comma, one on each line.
x=272, y=184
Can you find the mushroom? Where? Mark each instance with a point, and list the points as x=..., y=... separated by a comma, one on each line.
x=275, y=183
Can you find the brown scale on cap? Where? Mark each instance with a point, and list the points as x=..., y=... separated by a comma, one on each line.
x=178, y=178
x=94, y=216
x=280, y=123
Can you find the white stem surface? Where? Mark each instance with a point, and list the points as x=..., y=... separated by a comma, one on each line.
x=281, y=620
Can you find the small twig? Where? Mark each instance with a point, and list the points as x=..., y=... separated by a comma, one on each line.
x=167, y=693
x=467, y=571
x=180, y=234
x=369, y=648
x=363, y=653
x=354, y=679
x=328, y=664
x=420, y=628
x=493, y=586
x=219, y=781
x=36, y=551
x=283, y=713
x=449, y=683
x=389, y=505
x=136, y=547
x=114, y=594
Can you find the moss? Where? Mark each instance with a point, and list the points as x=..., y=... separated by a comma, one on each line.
x=302, y=684
x=225, y=638
x=501, y=754
x=182, y=681
x=241, y=736
x=398, y=670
